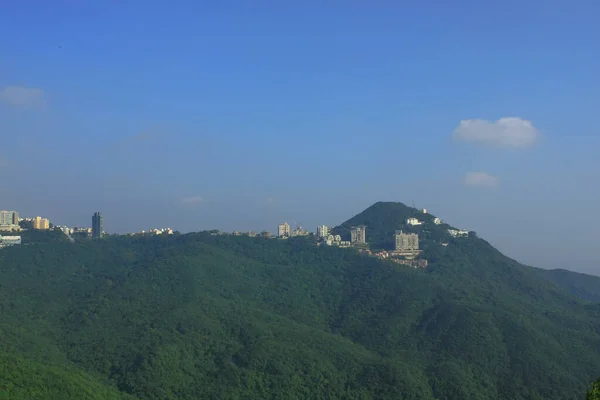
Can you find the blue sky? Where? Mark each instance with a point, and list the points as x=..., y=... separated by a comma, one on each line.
x=239, y=114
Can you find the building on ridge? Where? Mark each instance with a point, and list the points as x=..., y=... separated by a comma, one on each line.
x=406, y=241
x=413, y=221
x=358, y=235
x=283, y=230
x=97, y=225
x=9, y=221
x=322, y=231
x=41, y=224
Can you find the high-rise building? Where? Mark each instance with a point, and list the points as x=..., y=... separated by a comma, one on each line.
x=41, y=224
x=406, y=241
x=358, y=235
x=322, y=231
x=97, y=225
x=9, y=221
x=283, y=230
x=9, y=217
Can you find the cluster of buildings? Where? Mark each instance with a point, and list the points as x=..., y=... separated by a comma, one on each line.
x=10, y=222
x=406, y=244
x=285, y=231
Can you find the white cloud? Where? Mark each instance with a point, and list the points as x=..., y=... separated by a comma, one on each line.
x=480, y=179
x=192, y=200
x=509, y=132
x=20, y=96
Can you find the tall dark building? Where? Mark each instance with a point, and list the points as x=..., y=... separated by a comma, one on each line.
x=97, y=225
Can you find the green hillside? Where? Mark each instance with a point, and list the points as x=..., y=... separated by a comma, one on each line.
x=202, y=316
x=584, y=286
x=383, y=219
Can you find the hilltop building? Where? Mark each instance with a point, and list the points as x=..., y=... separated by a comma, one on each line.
x=97, y=225
x=283, y=230
x=406, y=241
x=322, y=231
x=41, y=224
x=413, y=222
x=300, y=232
x=407, y=245
x=358, y=235
x=81, y=232
x=9, y=221
x=458, y=232
x=335, y=240
x=437, y=221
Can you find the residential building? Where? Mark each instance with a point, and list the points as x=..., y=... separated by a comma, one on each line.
x=300, y=232
x=358, y=235
x=41, y=224
x=97, y=225
x=406, y=241
x=6, y=241
x=458, y=232
x=322, y=231
x=9, y=221
x=437, y=221
x=413, y=222
x=283, y=230
x=85, y=232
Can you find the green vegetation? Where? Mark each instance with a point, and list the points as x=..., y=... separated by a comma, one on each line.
x=383, y=219
x=586, y=287
x=199, y=316
x=594, y=391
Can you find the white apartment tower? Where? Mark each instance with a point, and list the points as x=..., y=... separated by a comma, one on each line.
x=283, y=230
x=358, y=235
x=322, y=231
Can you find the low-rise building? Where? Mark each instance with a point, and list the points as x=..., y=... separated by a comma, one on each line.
x=458, y=232
x=413, y=222
x=6, y=241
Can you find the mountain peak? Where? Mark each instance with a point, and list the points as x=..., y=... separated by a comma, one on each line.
x=383, y=219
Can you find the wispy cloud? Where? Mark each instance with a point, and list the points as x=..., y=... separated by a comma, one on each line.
x=20, y=96
x=192, y=200
x=508, y=132
x=480, y=179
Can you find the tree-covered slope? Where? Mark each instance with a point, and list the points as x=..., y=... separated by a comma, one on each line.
x=584, y=286
x=202, y=316
x=383, y=219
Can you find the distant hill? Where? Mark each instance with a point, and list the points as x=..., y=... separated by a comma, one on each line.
x=200, y=316
x=584, y=286
x=383, y=219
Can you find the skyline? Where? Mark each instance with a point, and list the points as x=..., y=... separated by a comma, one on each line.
x=241, y=117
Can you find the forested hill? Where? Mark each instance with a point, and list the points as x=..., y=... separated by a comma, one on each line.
x=584, y=286
x=199, y=316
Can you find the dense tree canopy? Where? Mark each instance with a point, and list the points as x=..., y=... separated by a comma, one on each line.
x=204, y=316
